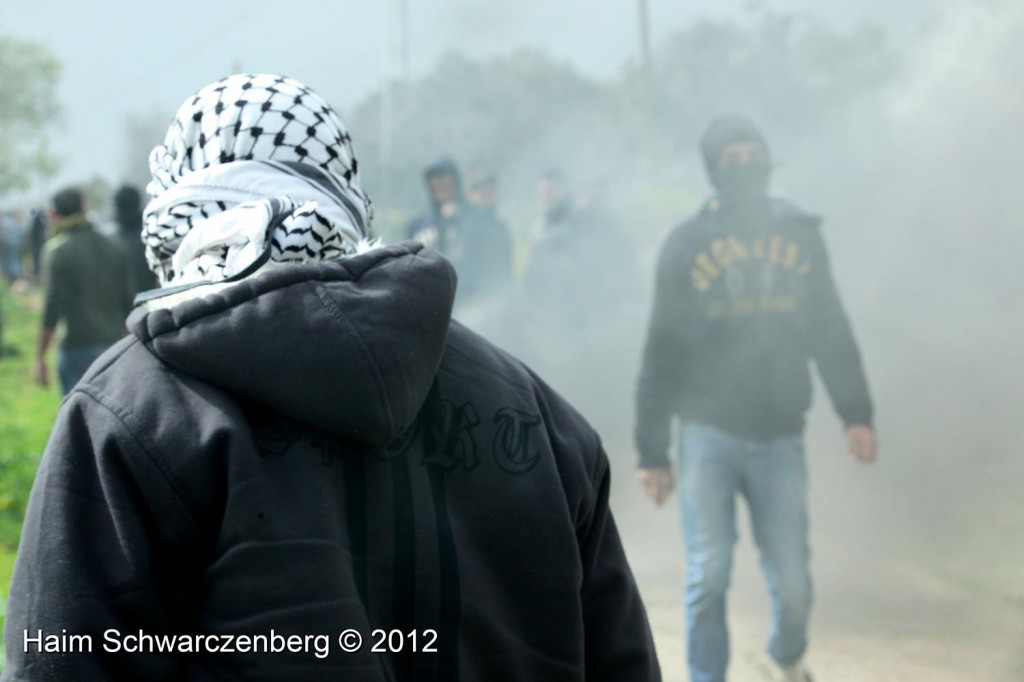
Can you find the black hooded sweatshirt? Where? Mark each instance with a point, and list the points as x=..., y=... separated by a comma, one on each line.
x=314, y=449
x=474, y=240
x=744, y=299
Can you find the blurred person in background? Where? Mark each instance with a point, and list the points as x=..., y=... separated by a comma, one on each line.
x=557, y=290
x=298, y=440
x=576, y=314
x=577, y=228
x=128, y=217
x=482, y=192
x=744, y=299
x=11, y=238
x=37, y=237
x=87, y=288
x=12, y=242
x=471, y=237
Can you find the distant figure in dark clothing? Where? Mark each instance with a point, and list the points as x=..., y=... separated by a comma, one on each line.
x=3, y=348
x=11, y=233
x=573, y=249
x=744, y=299
x=128, y=216
x=85, y=276
x=12, y=236
x=37, y=237
x=571, y=245
x=482, y=192
x=473, y=239
x=576, y=316
x=557, y=201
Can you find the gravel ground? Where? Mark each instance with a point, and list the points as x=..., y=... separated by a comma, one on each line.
x=878, y=616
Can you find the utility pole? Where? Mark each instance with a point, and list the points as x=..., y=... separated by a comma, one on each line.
x=394, y=80
x=403, y=41
x=645, y=33
x=647, y=85
x=387, y=95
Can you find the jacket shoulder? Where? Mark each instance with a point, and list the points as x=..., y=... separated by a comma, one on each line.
x=170, y=414
x=492, y=370
x=690, y=230
x=504, y=387
x=55, y=246
x=789, y=211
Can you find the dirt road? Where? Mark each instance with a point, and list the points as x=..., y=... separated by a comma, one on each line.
x=883, y=612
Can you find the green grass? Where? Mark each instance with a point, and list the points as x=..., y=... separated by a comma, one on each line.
x=26, y=416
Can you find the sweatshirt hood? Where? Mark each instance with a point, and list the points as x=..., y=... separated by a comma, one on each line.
x=350, y=347
x=441, y=167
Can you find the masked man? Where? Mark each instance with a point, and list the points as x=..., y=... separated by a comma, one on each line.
x=744, y=300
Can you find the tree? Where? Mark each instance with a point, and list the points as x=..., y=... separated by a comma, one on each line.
x=517, y=115
x=790, y=72
x=521, y=114
x=28, y=106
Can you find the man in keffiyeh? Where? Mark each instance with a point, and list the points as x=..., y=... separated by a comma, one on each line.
x=245, y=153
x=299, y=467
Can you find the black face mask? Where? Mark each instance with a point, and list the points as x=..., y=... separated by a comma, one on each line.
x=742, y=180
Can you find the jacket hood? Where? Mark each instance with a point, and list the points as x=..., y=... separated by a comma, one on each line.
x=722, y=132
x=444, y=166
x=350, y=347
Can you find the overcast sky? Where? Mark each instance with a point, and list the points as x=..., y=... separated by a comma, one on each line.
x=131, y=58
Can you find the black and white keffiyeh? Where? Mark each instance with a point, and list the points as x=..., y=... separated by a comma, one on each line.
x=248, y=155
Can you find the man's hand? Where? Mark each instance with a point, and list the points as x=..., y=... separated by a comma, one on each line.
x=863, y=443
x=41, y=372
x=657, y=483
x=449, y=209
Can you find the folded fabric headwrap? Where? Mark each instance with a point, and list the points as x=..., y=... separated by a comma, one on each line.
x=245, y=153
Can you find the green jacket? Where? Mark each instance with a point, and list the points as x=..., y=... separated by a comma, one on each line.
x=87, y=287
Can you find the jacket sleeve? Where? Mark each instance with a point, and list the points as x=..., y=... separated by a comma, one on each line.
x=55, y=301
x=832, y=344
x=619, y=645
x=661, y=382
x=89, y=556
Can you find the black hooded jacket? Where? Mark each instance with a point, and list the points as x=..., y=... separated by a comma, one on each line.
x=744, y=299
x=315, y=449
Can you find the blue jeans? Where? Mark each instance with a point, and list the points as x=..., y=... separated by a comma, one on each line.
x=72, y=364
x=714, y=467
